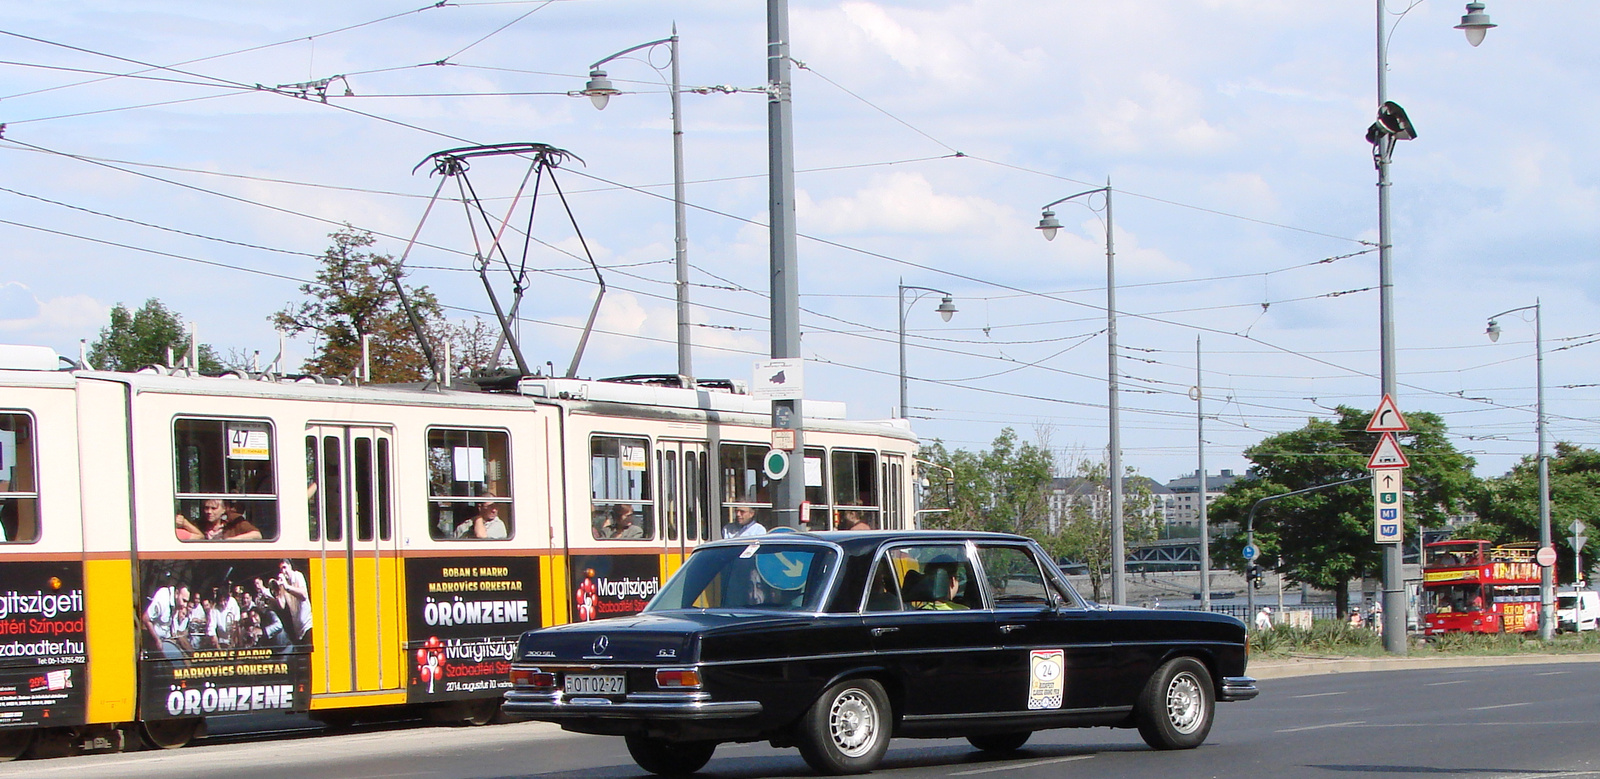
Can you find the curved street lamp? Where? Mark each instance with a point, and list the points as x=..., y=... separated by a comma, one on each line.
x=1049, y=225
x=1391, y=126
x=599, y=90
x=1547, y=607
x=946, y=309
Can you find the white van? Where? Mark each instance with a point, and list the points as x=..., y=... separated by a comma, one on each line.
x=1579, y=610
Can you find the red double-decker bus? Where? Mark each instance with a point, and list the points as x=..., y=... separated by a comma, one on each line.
x=1471, y=586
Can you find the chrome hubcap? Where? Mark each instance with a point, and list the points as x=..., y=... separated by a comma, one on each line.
x=853, y=723
x=1185, y=703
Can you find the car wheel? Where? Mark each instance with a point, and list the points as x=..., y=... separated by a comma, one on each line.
x=670, y=758
x=847, y=730
x=1175, y=709
x=1000, y=742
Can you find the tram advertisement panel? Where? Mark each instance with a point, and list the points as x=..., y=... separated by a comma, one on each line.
x=43, y=647
x=224, y=637
x=464, y=616
x=606, y=586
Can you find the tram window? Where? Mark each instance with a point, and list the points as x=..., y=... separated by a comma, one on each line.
x=817, y=490
x=469, y=485
x=384, y=523
x=744, y=483
x=332, y=516
x=19, y=486
x=313, y=492
x=364, y=503
x=621, y=505
x=224, y=477
x=694, y=496
x=855, y=484
x=894, y=483
x=671, y=516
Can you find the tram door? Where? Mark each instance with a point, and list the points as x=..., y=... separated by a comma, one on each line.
x=685, y=515
x=355, y=564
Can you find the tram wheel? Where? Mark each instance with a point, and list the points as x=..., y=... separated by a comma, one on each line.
x=13, y=742
x=481, y=711
x=169, y=733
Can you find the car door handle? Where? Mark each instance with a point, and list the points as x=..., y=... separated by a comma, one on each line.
x=1008, y=628
x=881, y=631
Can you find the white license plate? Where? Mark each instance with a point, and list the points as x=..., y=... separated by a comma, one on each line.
x=595, y=684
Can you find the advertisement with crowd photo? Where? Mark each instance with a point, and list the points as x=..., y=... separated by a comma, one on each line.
x=464, y=616
x=43, y=645
x=224, y=637
x=607, y=586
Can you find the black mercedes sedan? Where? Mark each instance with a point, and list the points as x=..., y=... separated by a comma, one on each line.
x=835, y=642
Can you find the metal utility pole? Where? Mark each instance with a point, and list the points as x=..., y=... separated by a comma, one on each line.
x=1200, y=440
x=788, y=492
x=1394, y=595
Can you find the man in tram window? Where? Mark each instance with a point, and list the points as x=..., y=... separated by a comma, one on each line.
x=211, y=517
x=622, y=524
x=235, y=527
x=744, y=524
x=486, y=524
x=851, y=519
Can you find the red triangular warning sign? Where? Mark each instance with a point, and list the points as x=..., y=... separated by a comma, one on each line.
x=1387, y=418
x=1388, y=454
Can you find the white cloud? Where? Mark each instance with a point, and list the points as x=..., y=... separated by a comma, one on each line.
x=900, y=203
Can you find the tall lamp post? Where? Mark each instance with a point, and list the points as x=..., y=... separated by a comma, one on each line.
x=1393, y=125
x=1547, y=600
x=1048, y=224
x=947, y=308
x=599, y=91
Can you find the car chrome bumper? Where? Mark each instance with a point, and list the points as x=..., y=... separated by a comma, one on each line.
x=551, y=708
x=1238, y=688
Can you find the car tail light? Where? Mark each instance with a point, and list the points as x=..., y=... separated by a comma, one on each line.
x=677, y=678
x=532, y=678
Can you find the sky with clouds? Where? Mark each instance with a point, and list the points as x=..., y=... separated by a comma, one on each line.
x=927, y=133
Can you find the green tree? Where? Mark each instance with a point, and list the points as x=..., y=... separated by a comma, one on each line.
x=1508, y=506
x=354, y=296
x=1003, y=489
x=1325, y=538
x=133, y=340
x=1083, y=530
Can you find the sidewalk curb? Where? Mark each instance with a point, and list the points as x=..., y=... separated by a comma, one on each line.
x=1281, y=669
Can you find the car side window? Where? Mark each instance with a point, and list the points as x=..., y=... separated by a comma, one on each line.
x=884, y=593
x=934, y=577
x=1014, y=577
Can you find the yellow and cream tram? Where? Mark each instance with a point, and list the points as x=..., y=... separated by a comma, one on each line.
x=177, y=546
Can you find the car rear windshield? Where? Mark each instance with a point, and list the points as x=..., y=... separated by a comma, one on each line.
x=764, y=576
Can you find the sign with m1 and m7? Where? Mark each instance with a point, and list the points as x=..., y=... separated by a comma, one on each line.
x=1388, y=464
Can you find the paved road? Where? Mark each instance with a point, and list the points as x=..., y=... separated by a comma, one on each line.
x=1515, y=721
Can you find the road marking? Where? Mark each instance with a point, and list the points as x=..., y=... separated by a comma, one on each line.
x=1441, y=684
x=1500, y=706
x=1552, y=673
x=1029, y=764
x=1321, y=694
x=1320, y=727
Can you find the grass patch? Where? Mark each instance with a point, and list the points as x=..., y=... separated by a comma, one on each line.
x=1332, y=637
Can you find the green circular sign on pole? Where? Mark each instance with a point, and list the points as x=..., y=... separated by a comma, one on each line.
x=775, y=464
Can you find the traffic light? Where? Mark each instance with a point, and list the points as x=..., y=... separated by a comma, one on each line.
x=1253, y=575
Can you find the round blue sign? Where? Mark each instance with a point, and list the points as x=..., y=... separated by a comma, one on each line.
x=783, y=570
x=1249, y=552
